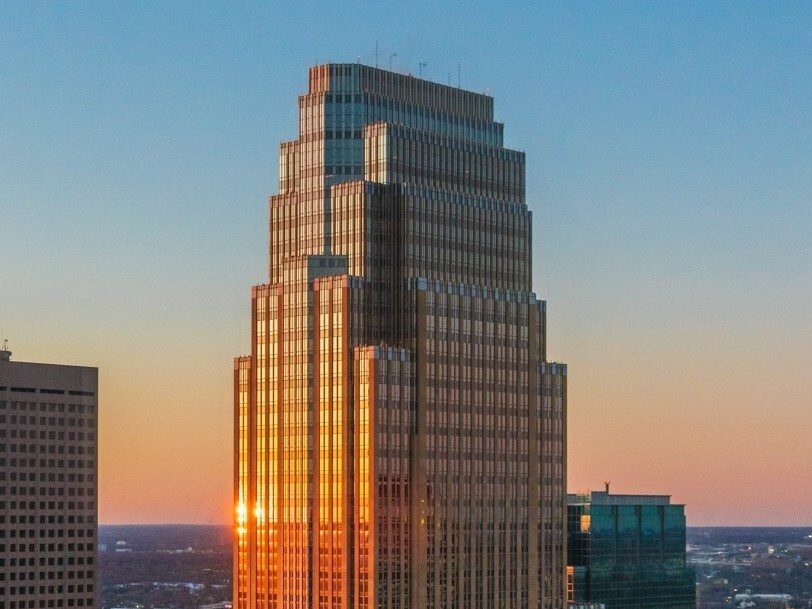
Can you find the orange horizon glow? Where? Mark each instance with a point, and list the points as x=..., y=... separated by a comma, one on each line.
x=714, y=442
x=653, y=437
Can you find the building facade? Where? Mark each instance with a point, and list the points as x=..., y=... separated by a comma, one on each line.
x=48, y=485
x=399, y=433
x=628, y=552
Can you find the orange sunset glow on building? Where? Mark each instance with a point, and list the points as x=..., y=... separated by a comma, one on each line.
x=399, y=433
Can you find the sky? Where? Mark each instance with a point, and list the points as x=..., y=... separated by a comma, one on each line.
x=669, y=170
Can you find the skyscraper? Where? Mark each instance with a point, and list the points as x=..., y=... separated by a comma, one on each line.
x=48, y=485
x=628, y=551
x=399, y=434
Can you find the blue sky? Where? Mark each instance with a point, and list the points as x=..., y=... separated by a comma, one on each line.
x=669, y=151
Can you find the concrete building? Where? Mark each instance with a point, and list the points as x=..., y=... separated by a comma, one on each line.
x=48, y=485
x=628, y=552
x=399, y=433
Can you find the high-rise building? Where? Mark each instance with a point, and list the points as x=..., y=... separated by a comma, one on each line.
x=48, y=485
x=399, y=433
x=628, y=551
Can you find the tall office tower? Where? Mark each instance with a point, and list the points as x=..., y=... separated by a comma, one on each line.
x=628, y=551
x=48, y=485
x=399, y=433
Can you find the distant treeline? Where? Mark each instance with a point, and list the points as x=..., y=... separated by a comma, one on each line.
x=770, y=535
x=141, y=538
x=144, y=538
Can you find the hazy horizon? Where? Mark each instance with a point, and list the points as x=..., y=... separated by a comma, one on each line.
x=229, y=525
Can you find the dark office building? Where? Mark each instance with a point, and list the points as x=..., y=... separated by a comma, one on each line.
x=399, y=431
x=48, y=485
x=628, y=551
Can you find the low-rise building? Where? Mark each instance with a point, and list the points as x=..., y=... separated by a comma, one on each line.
x=628, y=552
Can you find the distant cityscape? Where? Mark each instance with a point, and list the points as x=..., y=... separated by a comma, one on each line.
x=752, y=567
x=189, y=567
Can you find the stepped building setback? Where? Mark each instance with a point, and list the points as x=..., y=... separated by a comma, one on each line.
x=400, y=437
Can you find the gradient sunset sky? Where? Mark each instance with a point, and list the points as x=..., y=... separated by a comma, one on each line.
x=669, y=169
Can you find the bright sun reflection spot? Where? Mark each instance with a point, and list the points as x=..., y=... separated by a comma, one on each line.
x=242, y=513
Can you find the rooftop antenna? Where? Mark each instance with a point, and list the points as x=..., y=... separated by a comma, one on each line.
x=607, y=487
x=358, y=59
x=458, y=75
x=391, y=57
x=420, y=68
x=376, y=53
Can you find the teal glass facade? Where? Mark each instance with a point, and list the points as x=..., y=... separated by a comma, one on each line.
x=628, y=552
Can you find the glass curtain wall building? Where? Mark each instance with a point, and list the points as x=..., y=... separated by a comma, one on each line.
x=399, y=433
x=628, y=552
